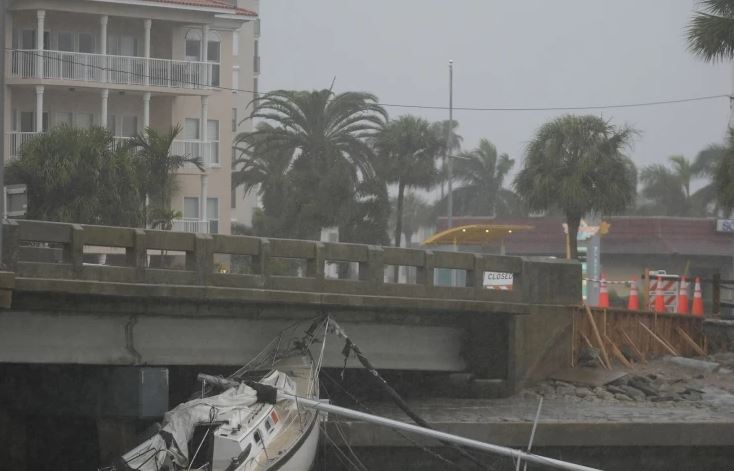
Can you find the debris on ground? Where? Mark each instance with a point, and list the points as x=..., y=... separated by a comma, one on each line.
x=668, y=379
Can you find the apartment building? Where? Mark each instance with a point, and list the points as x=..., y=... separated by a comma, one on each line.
x=131, y=64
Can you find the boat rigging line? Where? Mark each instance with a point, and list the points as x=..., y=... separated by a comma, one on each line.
x=442, y=436
x=350, y=346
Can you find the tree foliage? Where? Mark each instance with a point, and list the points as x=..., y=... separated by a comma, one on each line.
x=78, y=175
x=407, y=150
x=724, y=175
x=481, y=174
x=711, y=31
x=310, y=160
x=576, y=163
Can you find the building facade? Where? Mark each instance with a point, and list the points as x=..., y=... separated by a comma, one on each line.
x=131, y=64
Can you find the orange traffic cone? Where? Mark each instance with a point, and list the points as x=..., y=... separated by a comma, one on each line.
x=633, y=302
x=683, y=296
x=603, y=293
x=697, y=309
x=659, y=297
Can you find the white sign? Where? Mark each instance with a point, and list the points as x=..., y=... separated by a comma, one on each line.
x=497, y=280
x=725, y=225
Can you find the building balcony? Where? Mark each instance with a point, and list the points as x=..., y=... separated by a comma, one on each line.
x=207, y=151
x=191, y=225
x=112, y=69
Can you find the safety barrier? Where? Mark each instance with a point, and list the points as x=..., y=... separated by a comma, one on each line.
x=37, y=249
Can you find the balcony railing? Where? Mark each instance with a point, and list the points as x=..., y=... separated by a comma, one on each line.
x=207, y=151
x=118, y=70
x=14, y=142
x=190, y=225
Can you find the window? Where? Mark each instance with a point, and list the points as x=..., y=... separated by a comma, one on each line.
x=193, y=45
x=63, y=119
x=212, y=134
x=235, y=78
x=86, y=121
x=191, y=207
x=112, y=124
x=212, y=214
x=129, y=126
x=234, y=119
x=86, y=42
x=28, y=121
x=65, y=41
x=191, y=129
x=214, y=55
x=16, y=200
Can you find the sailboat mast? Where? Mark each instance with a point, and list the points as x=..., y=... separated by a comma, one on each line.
x=443, y=436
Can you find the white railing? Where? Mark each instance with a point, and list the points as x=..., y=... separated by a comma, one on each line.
x=190, y=225
x=207, y=151
x=14, y=142
x=120, y=141
x=119, y=70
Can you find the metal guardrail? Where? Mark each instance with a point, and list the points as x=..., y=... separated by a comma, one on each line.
x=535, y=281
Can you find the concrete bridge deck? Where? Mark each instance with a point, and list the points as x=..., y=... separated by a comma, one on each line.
x=164, y=298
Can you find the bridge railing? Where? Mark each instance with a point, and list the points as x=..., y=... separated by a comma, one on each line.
x=39, y=249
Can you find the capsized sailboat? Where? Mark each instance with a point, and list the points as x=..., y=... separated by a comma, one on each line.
x=249, y=421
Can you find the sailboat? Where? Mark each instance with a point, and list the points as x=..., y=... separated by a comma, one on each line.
x=249, y=421
x=255, y=421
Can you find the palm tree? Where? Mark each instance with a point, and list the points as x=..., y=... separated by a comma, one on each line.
x=575, y=163
x=445, y=132
x=262, y=168
x=705, y=166
x=669, y=189
x=724, y=176
x=407, y=152
x=711, y=31
x=76, y=175
x=325, y=134
x=481, y=174
x=417, y=213
x=158, y=166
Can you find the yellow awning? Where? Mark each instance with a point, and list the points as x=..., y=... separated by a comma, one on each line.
x=474, y=234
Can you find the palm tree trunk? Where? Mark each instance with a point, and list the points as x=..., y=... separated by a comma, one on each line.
x=399, y=222
x=573, y=223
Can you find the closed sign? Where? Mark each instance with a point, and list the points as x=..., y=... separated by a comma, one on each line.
x=497, y=280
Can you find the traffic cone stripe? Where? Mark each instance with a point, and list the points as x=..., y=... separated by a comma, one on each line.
x=603, y=293
x=697, y=308
x=659, y=297
x=633, y=303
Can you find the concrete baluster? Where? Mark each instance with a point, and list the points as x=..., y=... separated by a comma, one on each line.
x=137, y=255
x=262, y=262
x=201, y=260
x=424, y=275
x=11, y=245
x=75, y=249
x=315, y=266
x=373, y=271
x=474, y=277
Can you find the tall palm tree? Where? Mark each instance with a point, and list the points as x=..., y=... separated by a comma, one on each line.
x=447, y=137
x=262, y=168
x=724, y=176
x=417, y=213
x=481, y=174
x=576, y=164
x=158, y=166
x=705, y=166
x=711, y=31
x=325, y=134
x=407, y=153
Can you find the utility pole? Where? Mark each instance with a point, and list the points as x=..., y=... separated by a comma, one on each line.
x=448, y=144
x=3, y=17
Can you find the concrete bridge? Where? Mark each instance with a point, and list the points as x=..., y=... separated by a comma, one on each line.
x=165, y=298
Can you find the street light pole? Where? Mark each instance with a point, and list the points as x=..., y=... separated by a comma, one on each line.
x=448, y=145
x=3, y=15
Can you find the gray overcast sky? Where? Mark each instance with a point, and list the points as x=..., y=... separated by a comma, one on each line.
x=510, y=53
